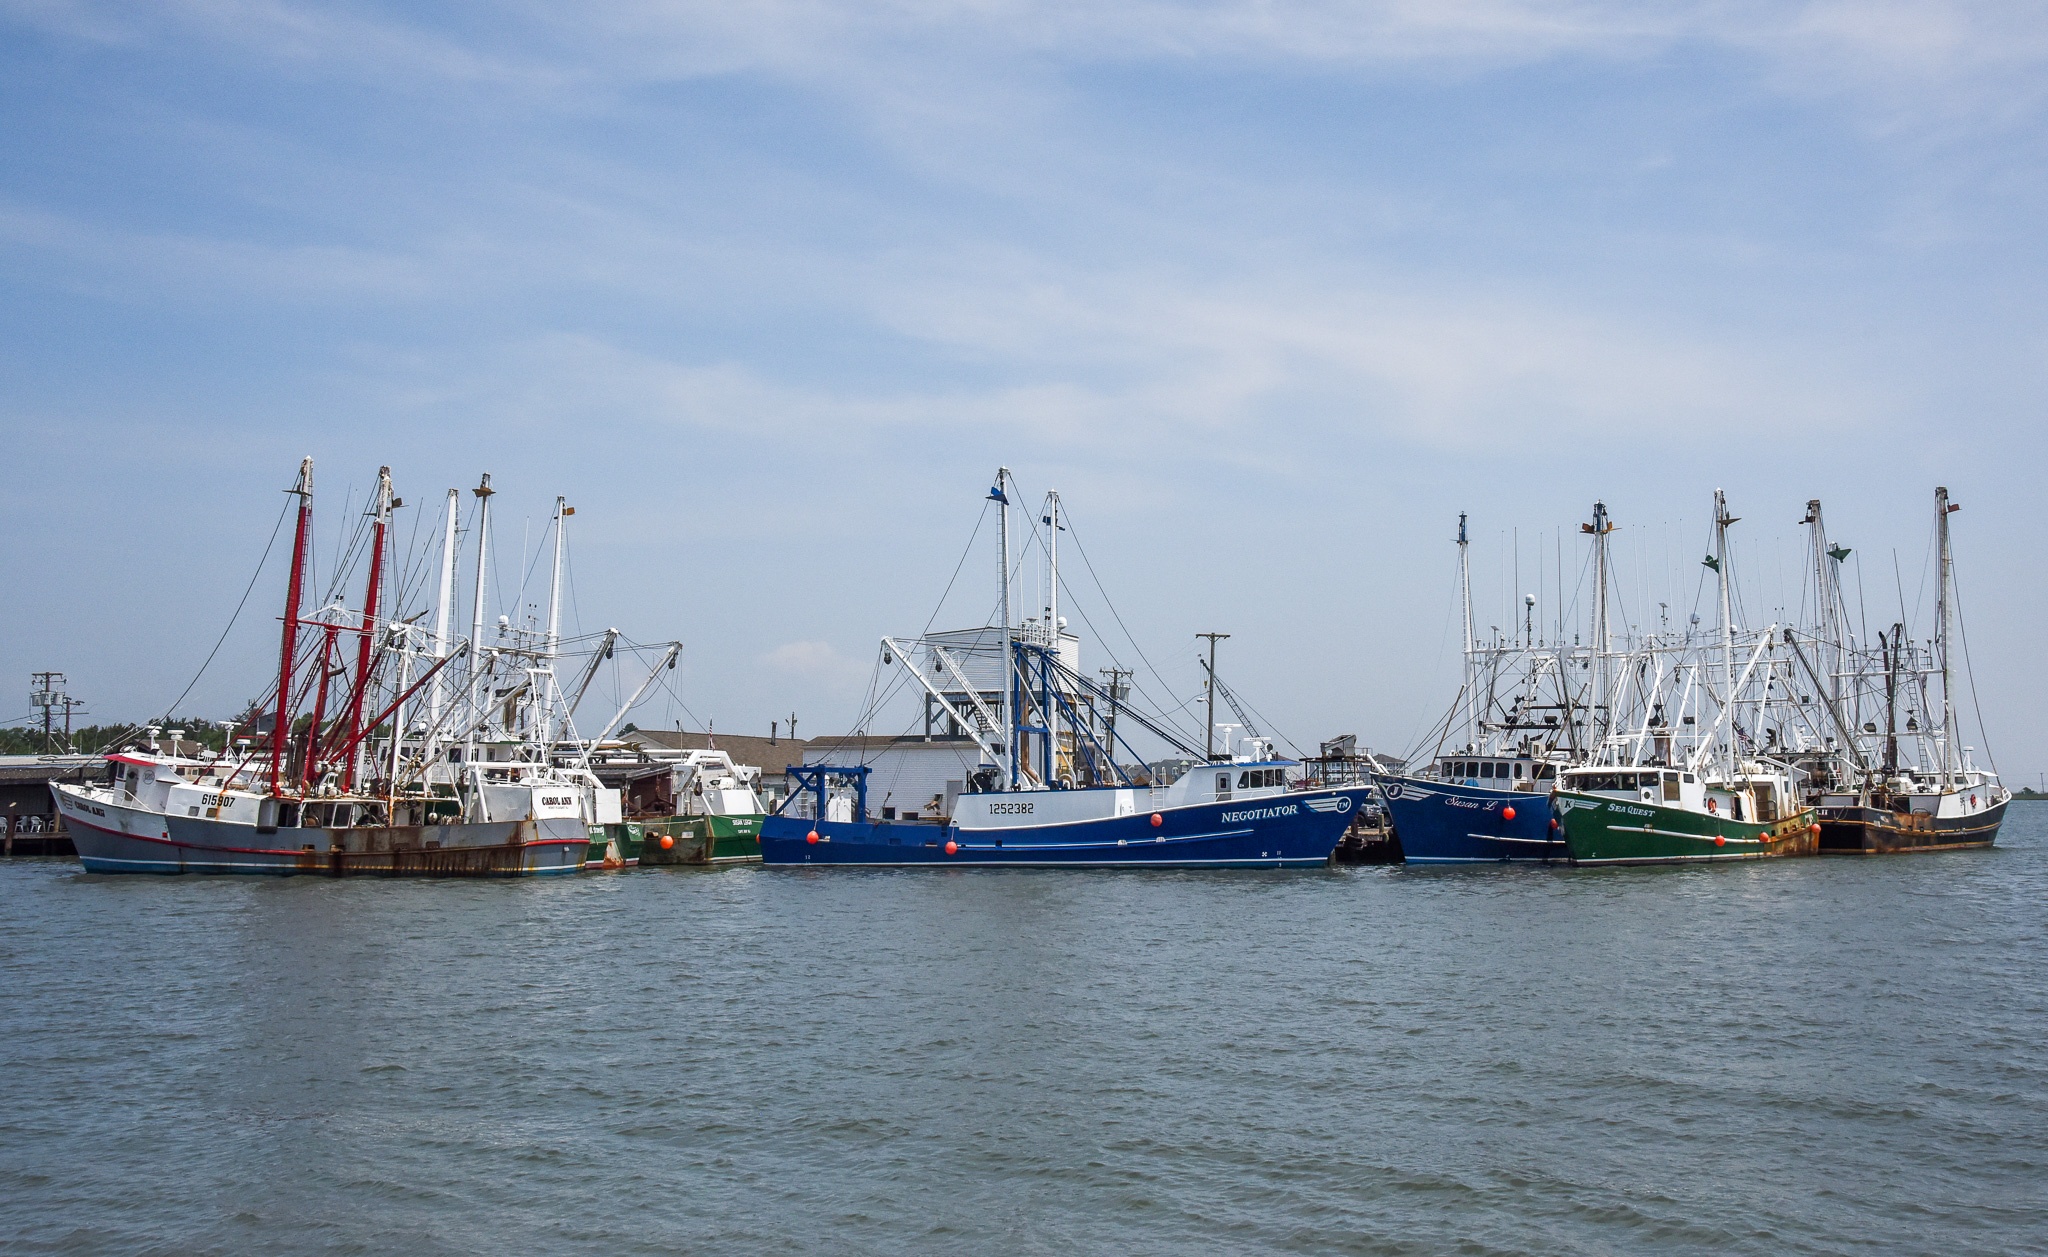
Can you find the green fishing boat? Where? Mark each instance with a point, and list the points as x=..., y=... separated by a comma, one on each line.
x=1651, y=815
x=1668, y=796
x=614, y=846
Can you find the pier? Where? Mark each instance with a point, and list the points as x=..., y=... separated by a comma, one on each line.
x=29, y=816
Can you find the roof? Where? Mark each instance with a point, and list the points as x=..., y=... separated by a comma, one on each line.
x=768, y=755
x=31, y=769
x=862, y=746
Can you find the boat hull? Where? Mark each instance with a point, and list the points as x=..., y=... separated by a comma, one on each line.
x=703, y=840
x=111, y=838
x=1858, y=830
x=1287, y=831
x=1439, y=822
x=1601, y=830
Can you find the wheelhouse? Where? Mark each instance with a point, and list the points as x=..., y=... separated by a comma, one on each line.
x=1499, y=771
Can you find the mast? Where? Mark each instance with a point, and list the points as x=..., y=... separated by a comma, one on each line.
x=367, y=640
x=437, y=696
x=1942, y=610
x=1891, y=703
x=1603, y=635
x=547, y=720
x=1209, y=685
x=1465, y=597
x=1008, y=669
x=1052, y=622
x=1721, y=521
x=483, y=492
x=282, y=727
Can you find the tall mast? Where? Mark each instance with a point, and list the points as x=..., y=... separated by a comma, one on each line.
x=1007, y=672
x=1942, y=510
x=1209, y=685
x=547, y=720
x=1052, y=624
x=1830, y=623
x=1603, y=635
x=483, y=492
x=367, y=641
x=446, y=606
x=1721, y=521
x=1465, y=597
x=281, y=729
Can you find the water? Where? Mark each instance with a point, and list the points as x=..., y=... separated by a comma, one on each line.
x=1810, y=1056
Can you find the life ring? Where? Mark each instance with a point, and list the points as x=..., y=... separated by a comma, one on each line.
x=1712, y=806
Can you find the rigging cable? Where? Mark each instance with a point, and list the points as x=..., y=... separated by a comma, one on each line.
x=246, y=591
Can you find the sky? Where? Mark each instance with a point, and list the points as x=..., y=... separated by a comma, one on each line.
x=1269, y=290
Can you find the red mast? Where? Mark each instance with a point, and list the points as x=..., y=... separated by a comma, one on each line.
x=282, y=728
x=369, y=631
x=328, y=672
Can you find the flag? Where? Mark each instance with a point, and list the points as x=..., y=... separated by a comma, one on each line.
x=1838, y=553
x=995, y=494
x=1712, y=562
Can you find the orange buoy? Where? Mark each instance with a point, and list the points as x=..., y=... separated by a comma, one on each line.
x=1554, y=824
x=952, y=847
x=1815, y=827
x=1507, y=813
x=667, y=841
x=1720, y=841
x=811, y=837
x=1157, y=820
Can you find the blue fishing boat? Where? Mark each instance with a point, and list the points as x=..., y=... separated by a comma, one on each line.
x=1238, y=815
x=1048, y=774
x=1529, y=705
x=1454, y=816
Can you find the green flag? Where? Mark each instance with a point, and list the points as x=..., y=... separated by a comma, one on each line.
x=1838, y=553
x=1712, y=562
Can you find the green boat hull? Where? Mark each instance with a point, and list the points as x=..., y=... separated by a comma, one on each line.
x=703, y=840
x=734, y=839
x=614, y=846
x=1599, y=830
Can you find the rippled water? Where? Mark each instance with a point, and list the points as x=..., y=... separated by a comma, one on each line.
x=1810, y=1056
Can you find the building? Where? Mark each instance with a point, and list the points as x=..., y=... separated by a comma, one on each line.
x=772, y=755
x=907, y=776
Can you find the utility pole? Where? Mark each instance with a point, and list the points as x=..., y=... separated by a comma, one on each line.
x=47, y=693
x=1209, y=685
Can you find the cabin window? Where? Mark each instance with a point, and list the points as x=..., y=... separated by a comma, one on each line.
x=1222, y=785
x=1670, y=787
x=1486, y=770
x=1518, y=772
x=1545, y=772
x=1244, y=781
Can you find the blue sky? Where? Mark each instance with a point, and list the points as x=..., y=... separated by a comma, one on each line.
x=1271, y=291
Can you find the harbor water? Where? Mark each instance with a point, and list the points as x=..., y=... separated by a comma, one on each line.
x=1807, y=1056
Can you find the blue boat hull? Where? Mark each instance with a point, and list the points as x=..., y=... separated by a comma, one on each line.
x=1285, y=831
x=1441, y=822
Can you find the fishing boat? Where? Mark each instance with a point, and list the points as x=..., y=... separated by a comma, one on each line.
x=1526, y=707
x=321, y=794
x=707, y=807
x=1895, y=776
x=1719, y=798
x=1051, y=788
